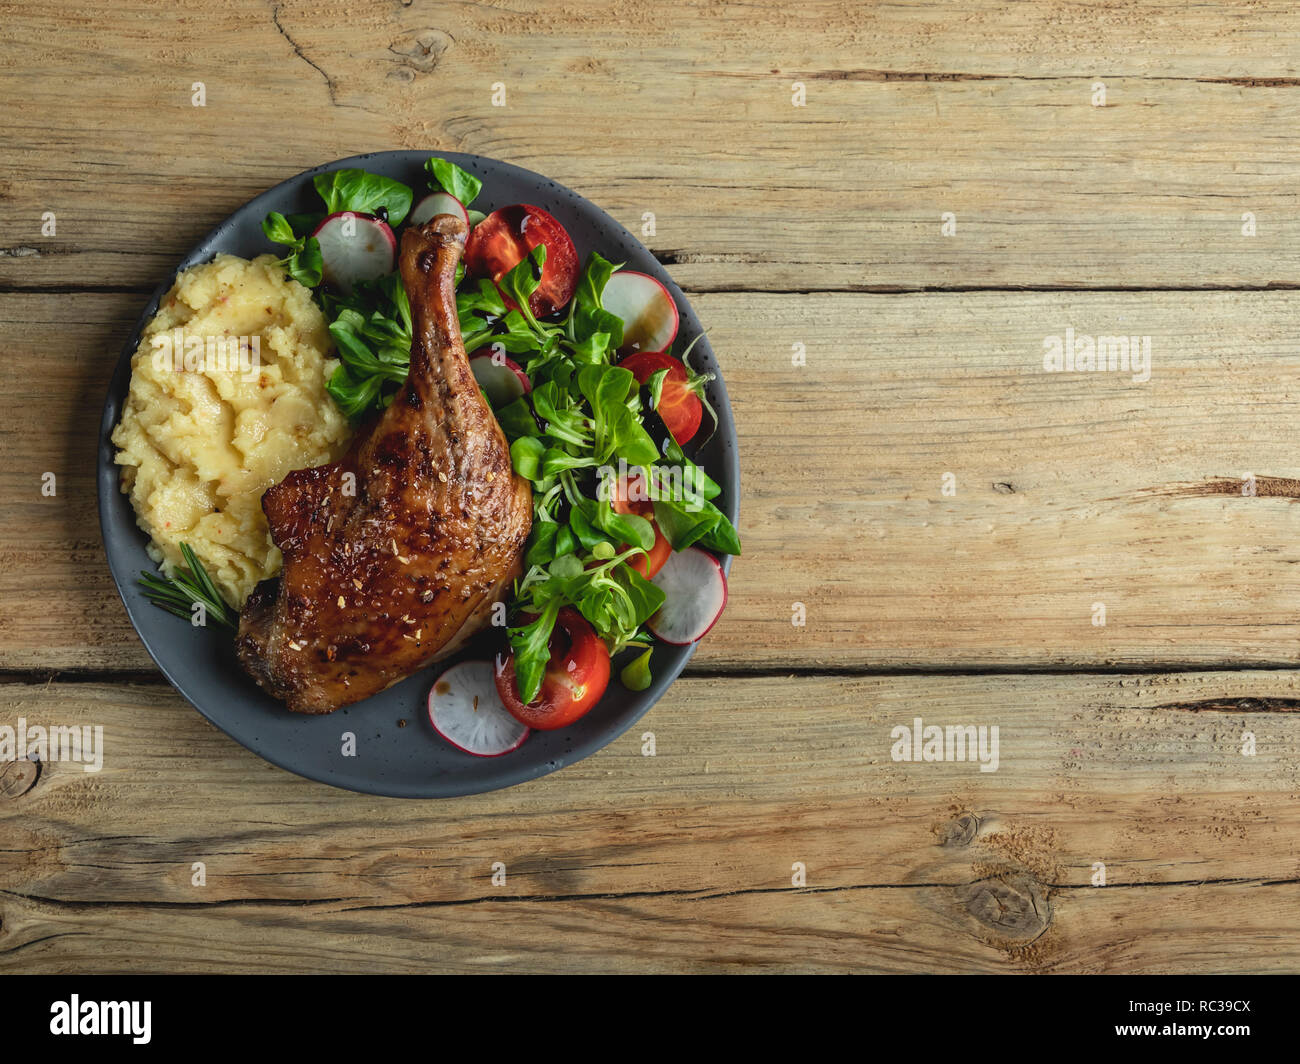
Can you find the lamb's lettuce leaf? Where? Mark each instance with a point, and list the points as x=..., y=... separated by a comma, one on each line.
x=364, y=193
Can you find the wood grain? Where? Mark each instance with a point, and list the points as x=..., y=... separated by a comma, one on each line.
x=816, y=226
x=905, y=119
x=1213, y=928
x=1071, y=489
x=910, y=867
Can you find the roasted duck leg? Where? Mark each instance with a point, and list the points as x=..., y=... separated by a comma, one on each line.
x=394, y=555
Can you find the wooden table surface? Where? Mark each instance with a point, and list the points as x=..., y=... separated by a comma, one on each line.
x=949, y=514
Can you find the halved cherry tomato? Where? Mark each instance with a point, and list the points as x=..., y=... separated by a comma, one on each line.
x=575, y=677
x=498, y=243
x=679, y=401
x=629, y=497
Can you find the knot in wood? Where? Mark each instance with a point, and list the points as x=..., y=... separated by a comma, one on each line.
x=422, y=49
x=18, y=777
x=959, y=831
x=1013, y=906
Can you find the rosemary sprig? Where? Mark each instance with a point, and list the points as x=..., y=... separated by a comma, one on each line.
x=188, y=586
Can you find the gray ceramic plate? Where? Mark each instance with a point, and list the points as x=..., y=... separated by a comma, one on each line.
x=409, y=761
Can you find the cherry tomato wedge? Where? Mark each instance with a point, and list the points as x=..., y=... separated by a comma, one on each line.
x=498, y=243
x=575, y=677
x=679, y=401
x=629, y=497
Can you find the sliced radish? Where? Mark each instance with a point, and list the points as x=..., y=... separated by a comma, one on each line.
x=695, y=593
x=355, y=247
x=436, y=203
x=500, y=376
x=465, y=709
x=648, y=311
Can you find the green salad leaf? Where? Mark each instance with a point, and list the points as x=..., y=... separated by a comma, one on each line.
x=372, y=333
x=303, y=263
x=277, y=229
x=587, y=315
x=531, y=645
x=451, y=178
x=522, y=280
x=364, y=193
x=636, y=673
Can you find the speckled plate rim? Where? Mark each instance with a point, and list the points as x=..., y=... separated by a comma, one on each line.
x=124, y=547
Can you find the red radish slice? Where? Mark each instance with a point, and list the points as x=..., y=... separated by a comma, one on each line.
x=648, y=311
x=695, y=593
x=500, y=376
x=436, y=203
x=465, y=709
x=355, y=247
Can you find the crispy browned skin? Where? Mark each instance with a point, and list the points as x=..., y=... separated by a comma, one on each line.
x=381, y=582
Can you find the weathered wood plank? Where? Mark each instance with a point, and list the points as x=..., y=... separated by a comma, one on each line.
x=1232, y=928
x=910, y=866
x=748, y=191
x=1070, y=489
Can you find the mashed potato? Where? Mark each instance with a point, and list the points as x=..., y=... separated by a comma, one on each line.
x=227, y=396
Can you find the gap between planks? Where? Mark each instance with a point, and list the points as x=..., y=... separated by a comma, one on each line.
x=341, y=904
